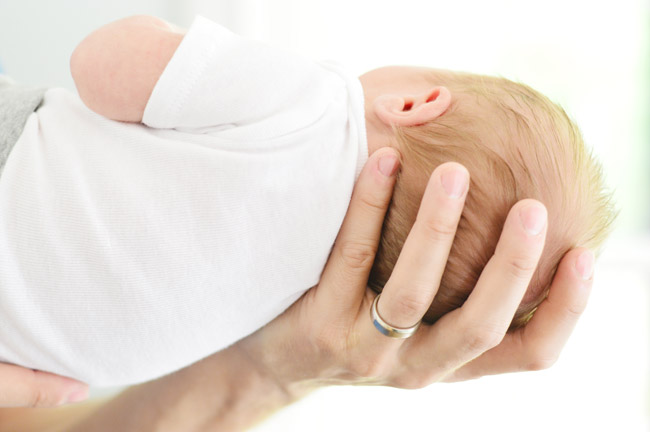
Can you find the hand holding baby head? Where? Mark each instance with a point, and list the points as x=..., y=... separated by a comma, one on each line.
x=331, y=331
x=516, y=144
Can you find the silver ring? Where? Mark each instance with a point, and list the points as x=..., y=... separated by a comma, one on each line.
x=387, y=329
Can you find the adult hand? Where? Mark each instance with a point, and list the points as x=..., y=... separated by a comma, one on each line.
x=537, y=346
x=327, y=336
x=20, y=387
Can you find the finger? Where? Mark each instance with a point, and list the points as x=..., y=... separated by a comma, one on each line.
x=416, y=277
x=505, y=278
x=348, y=267
x=20, y=387
x=549, y=330
x=481, y=323
x=538, y=345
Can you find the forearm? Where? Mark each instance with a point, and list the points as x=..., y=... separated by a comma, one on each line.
x=226, y=391
x=46, y=419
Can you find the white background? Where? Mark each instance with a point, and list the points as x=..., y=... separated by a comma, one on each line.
x=592, y=57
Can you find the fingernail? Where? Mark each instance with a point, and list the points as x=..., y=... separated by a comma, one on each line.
x=388, y=165
x=77, y=396
x=454, y=182
x=533, y=218
x=585, y=265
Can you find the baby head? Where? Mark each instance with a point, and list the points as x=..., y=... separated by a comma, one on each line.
x=515, y=144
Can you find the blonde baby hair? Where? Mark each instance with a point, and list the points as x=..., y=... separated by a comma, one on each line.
x=516, y=144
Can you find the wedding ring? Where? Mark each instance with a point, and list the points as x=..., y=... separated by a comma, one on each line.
x=387, y=329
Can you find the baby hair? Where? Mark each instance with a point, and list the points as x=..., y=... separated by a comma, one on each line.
x=516, y=144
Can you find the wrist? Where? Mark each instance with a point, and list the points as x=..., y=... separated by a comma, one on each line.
x=280, y=364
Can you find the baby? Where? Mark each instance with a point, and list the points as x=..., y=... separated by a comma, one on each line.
x=132, y=248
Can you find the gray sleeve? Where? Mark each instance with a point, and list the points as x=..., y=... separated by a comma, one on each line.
x=16, y=104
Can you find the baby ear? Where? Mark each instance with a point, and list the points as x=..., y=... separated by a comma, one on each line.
x=412, y=110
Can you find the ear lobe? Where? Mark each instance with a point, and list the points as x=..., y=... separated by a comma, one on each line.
x=412, y=110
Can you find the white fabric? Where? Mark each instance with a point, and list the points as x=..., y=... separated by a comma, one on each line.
x=127, y=252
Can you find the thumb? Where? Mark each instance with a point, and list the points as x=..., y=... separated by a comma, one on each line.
x=21, y=387
x=343, y=282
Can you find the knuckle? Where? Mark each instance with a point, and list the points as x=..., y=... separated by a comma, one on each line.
x=357, y=255
x=541, y=359
x=575, y=310
x=39, y=399
x=480, y=338
x=373, y=203
x=410, y=382
x=541, y=363
x=521, y=267
x=323, y=344
x=328, y=343
x=38, y=396
x=438, y=229
x=409, y=307
x=368, y=368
